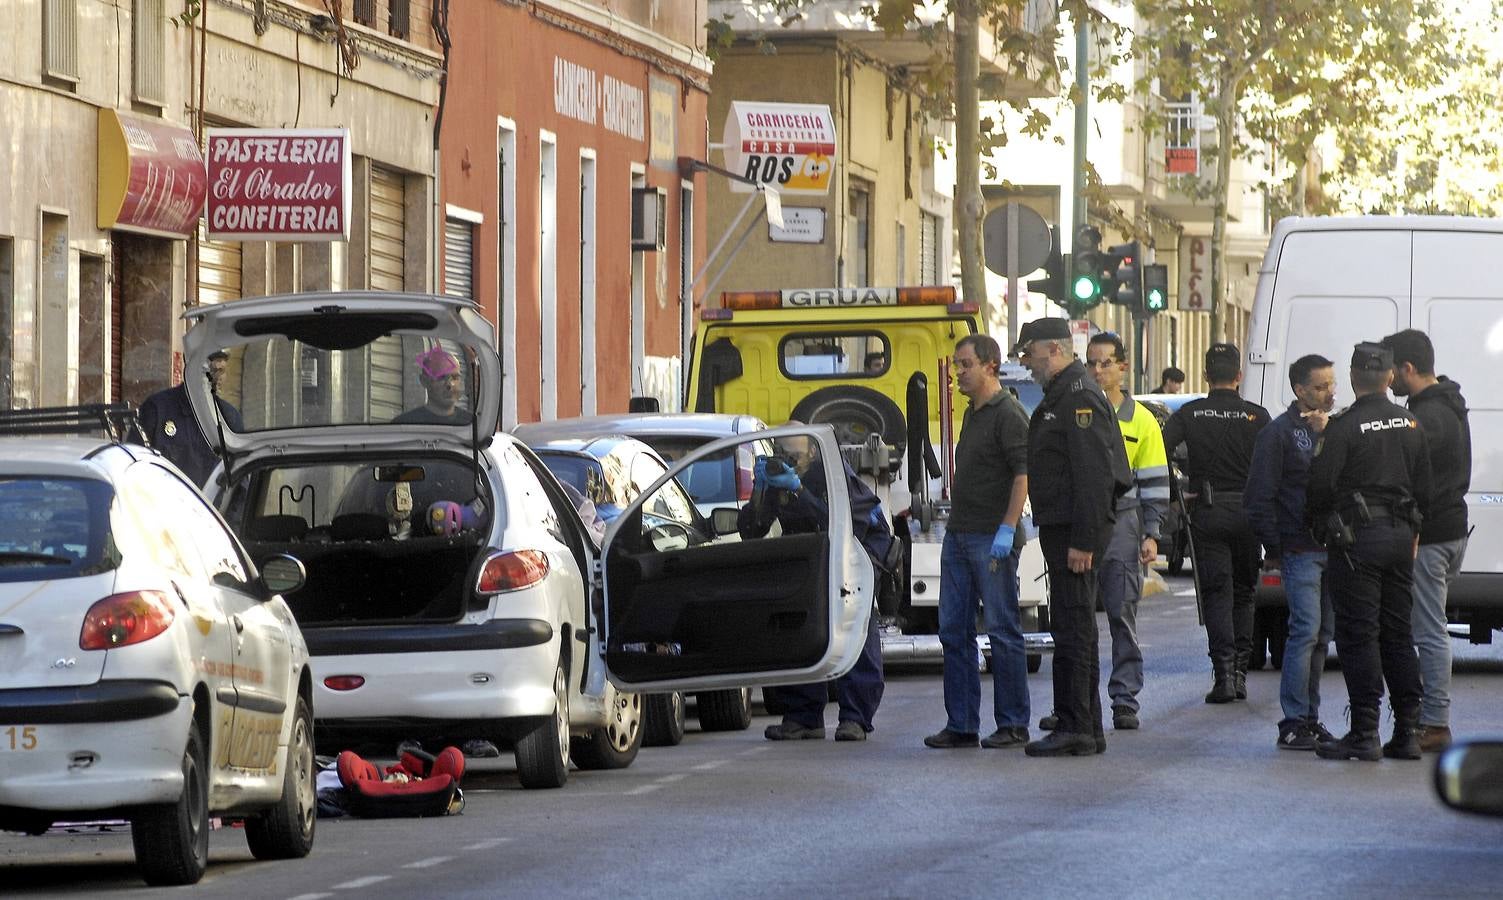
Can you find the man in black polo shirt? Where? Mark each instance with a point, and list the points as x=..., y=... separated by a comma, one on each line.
x=979, y=559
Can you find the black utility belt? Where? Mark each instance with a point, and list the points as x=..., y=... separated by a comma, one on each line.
x=1210, y=497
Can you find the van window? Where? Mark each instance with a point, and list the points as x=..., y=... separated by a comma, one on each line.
x=854, y=354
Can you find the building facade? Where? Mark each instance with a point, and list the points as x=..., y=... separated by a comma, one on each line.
x=567, y=214
x=101, y=241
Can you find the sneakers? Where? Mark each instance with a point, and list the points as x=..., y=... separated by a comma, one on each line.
x=793, y=731
x=1434, y=738
x=949, y=740
x=1297, y=735
x=848, y=730
x=1124, y=718
x=1319, y=730
x=1006, y=738
x=1049, y=723
x=1063, y=743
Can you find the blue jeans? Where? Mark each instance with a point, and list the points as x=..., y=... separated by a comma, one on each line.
x=965, y=579
x=1434, y=569
x=1311, y=625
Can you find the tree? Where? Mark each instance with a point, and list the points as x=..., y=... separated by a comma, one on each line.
x=1281, y=69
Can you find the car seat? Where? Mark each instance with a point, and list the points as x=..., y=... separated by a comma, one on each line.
x=431, y=788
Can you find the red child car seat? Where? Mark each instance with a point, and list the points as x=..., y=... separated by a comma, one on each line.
x=431, y=791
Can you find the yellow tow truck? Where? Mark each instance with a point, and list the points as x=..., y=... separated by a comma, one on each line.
x=866, y=361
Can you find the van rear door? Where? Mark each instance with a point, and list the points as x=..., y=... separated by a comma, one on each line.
x=1460, y=305
x=1329, y=290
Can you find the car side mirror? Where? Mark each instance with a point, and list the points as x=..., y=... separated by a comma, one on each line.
x=1469, y=777
x=282, y=574
x=723, y=520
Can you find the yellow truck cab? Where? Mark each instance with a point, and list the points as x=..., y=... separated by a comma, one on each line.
x=872, y=362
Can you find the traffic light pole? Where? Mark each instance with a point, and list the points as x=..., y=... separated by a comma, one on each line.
x=1082, y=124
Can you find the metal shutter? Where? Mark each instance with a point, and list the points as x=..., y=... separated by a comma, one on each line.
x=459, y=259
x=60, y=39
x=148, y=69
x=929, y=250
x=388, y=208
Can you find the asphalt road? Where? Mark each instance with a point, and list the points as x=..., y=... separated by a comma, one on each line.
x=1198, y=803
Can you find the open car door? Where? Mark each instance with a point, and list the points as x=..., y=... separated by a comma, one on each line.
x=790, y=602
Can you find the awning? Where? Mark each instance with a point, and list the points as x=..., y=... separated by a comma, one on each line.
x=152, y=177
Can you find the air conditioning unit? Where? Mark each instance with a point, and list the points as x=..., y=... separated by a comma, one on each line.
x=649, y=218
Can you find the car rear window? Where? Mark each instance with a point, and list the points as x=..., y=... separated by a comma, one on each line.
x=54, y=528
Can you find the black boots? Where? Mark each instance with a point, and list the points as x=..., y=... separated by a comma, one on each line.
x=1360, y=743
x=1406, y=734
x=1224, y=690
x=1239, y=675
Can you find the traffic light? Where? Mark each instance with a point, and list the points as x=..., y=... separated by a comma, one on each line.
x=1052, y=285
x=1126, y=277
x=1085, y=274
x=1155, y=289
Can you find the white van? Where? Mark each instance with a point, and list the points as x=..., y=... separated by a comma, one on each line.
x=1328, y=283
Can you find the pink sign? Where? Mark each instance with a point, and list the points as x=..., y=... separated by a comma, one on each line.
x=275, y=184
x=151, y=175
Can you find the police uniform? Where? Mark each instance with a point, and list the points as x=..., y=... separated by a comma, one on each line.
x=166, y=418
x=1370, y=486
x=1220, y=431
x=1077, y=466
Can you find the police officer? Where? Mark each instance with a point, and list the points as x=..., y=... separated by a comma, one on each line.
x=1219, y=432
x=1370, y=486
x=166, y=418
x=1077, y=467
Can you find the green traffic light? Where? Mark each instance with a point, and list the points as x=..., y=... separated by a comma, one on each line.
x=1084, y=288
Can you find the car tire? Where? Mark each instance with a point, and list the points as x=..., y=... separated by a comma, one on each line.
x=771, y=704
x=613, y=745
x=663, y=719
x=285, y=831
x=726, y=710
x=1035, y=662
x=543, y=752
x=172, y=841
x=854, y=412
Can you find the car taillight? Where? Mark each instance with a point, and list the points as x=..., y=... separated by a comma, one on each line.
x=343, y=682
x=745, y=463
x=512, y=571
x=1272, y=579
x=124, y=619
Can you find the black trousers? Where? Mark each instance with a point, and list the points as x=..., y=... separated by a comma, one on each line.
x=1226, y=567
x=1371, y=592
x=858, y=692
x=1072, y=622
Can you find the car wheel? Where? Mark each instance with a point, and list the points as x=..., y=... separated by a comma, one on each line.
x=726, y=710
x=854, y=413
x=285, y=831
x=172, y=841
x=543, y=752
x=663, y=719
x=1035, y=662
x=615, y=744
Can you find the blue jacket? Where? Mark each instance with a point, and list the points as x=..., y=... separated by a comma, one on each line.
x=167, y=420
x=1274, y=499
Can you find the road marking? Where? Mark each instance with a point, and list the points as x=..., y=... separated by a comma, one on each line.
x=752, y=751
x=705, y=767
x=1186, y=593
x=644, y=789
x=367, y=881
x=426, y=863
x=312, y=896
x=676, y=776
x=486, y=845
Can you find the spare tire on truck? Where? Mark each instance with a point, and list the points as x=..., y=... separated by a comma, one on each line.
x=855, y=412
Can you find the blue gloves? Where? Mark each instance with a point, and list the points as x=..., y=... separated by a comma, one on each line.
x=786, y=479
x=1002, y=543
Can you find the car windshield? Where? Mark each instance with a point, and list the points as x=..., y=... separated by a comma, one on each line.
x=275, y=382
x=54, y=528
x=709, y=480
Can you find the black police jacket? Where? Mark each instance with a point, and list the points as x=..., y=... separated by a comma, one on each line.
x=1374, y=448
x=1219, y=430
x=167, y=420
x=1077, y=463
x=1442, y=415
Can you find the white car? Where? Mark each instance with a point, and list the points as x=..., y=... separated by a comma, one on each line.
x=452, y=590
x=151, y=672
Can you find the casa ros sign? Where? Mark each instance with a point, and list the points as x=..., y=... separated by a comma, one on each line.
x=791, y=145
x=278, y=184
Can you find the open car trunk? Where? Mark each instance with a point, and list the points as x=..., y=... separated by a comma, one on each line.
x=385, y=541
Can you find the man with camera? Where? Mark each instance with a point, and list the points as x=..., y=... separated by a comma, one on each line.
x=789, y=489
x=1370, y=487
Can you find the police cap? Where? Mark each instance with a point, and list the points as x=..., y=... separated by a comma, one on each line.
x=1369, y=356
x=1223, y=353
x=1049, y=328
